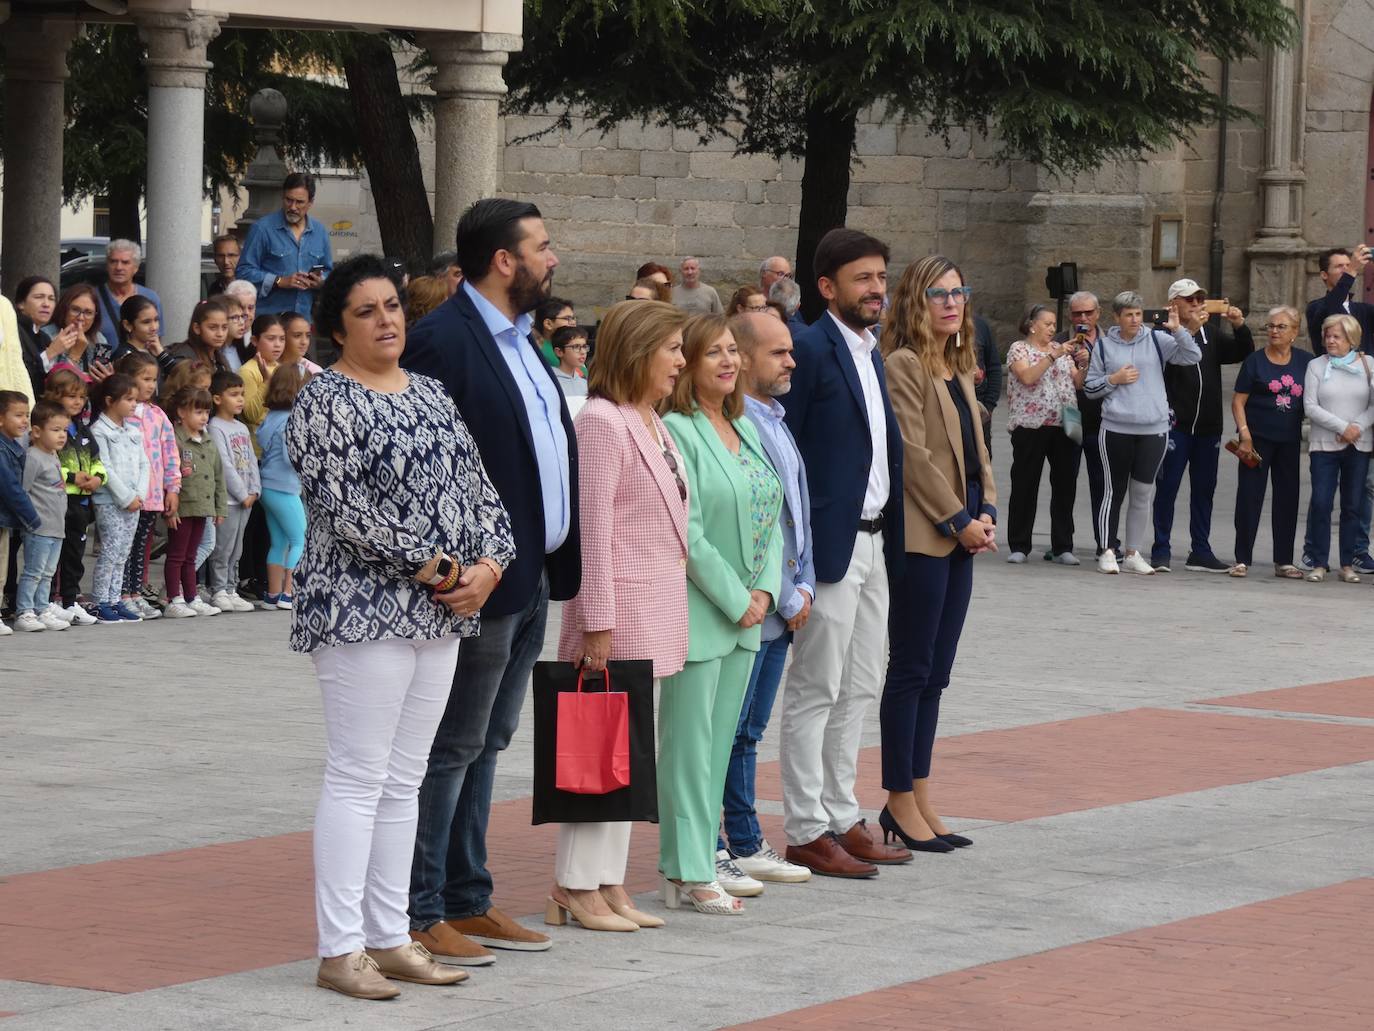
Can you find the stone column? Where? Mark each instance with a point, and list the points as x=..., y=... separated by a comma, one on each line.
x=176, y=153
x=35, y=69
x=468, y=138
x=1279, y=253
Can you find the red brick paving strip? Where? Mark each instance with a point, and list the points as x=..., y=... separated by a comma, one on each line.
x=1071, y=765
x=1301, y=961
x=132, y=924
x=1339, y=698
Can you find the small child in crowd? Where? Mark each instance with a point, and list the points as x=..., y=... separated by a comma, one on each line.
x=281, y=487
x=16, y=510
x=206, y=336
x=269, y=342
x=570, y=348
x=203, y=501
x=83, y=473
x=164, y=475
x=241, y=481
x=45, y=485
x=196, y=374
x=120, y=498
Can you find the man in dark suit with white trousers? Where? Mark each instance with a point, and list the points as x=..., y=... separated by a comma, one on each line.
x=477, y=344
x=840, y=415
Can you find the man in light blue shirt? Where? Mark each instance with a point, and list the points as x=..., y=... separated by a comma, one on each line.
x=287, y=253
x=765, y=347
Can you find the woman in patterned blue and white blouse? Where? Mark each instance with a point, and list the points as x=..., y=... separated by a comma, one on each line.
x=406, y=537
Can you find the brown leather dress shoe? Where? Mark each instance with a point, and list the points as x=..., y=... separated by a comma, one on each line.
x=826, y=857
x=412, y=962
x=495, y=929
x=448, y=946
x=862, y=843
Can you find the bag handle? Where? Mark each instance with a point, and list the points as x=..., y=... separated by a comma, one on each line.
x=582, y=671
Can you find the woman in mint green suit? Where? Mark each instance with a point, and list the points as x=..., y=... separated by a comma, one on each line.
x=733, y=546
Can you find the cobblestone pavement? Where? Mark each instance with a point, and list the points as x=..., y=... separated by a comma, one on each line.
x=1167, y=779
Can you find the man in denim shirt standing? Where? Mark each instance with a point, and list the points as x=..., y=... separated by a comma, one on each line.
x=286, y=255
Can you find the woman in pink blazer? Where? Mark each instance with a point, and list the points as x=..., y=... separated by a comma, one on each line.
x=633, y=601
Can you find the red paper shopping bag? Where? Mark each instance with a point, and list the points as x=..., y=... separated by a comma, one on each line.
x=593, y=740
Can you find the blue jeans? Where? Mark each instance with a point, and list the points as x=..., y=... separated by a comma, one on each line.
x=35, y=580
x=449, y=879
x=1199, y=456
x=741, y=822
x=1366, y=513
x=1349, y=467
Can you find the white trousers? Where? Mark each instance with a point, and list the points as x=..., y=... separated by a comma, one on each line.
x=836, y=674
x=382, y=704
x=591, y=854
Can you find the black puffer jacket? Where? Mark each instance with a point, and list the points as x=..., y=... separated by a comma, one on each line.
x=1195, y=391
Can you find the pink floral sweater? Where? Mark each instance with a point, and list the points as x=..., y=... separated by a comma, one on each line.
x=164, y=457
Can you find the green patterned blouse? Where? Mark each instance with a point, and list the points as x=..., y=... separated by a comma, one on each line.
x=765, y=499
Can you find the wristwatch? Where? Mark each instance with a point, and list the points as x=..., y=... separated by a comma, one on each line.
x=442, y=570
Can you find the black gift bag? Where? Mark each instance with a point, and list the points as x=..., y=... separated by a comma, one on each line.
x=639, y=801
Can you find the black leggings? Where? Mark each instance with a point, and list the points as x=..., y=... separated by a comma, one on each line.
x=71, y=565
x=1131, y=461
x=135, y=570
x=1030, y=448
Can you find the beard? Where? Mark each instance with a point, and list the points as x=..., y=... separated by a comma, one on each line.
x=526, y=291
x=854, y=314
x=779, y=387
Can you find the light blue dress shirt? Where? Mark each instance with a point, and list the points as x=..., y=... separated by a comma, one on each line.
x=272, y=250
x=543, y=406
x=777, y=440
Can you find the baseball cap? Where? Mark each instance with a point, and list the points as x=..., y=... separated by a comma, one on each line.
x=1185, y=288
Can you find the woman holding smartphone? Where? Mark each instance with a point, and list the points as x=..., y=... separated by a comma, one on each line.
x=74, y=340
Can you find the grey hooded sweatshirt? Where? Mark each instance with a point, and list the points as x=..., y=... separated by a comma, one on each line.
x=1143, y=406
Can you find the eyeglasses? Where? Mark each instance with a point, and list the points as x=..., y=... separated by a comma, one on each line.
x=574, y=347
x=240, y=317
x=780, y=275
x=570, y=320
x=671, y=459
x=82, y=313
x=1278, y=327
x=1083, y=314
x=755, y=307
x=959, y=295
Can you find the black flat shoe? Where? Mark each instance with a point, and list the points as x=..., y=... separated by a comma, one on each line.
x=891, y=829
x=957, y=840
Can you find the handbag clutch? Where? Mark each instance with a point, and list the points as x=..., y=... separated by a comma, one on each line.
x=1249, y=456
x=1072, y=421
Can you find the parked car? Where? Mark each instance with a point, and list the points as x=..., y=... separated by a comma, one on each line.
x=91, y=269
x=73, y=247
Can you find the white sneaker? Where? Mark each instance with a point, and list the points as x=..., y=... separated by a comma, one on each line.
x=222, y=601
x=52, y=621
x=147, y=609
x=178, y=609
x=56, y=611
x=240, y=605
x=1135, y=563
x=203, y=608
x=76, y=615
x=734, y=880
x=29, y=623
x=767, y=865
x=1016, y=557
x=5, y=630
x=1106, y=562
x=1067, y=558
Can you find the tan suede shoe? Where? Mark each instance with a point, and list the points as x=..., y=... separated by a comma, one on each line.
x=448, y=946
x=497, y=931
x=414, y=963
x=355, y=975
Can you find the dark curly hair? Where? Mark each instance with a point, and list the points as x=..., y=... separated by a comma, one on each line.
x=346, y=275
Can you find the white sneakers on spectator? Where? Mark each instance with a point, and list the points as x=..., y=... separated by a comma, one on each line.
x=27, y=622
x=1135, y=562
x=767, y=865
x=203, y=608
x=75, y=615
x=52, y=620
x=1016, y=557
x=240, y=605
x=1067, y=558
x=178, y=609
x=1106, y=562
x=734, y=880
x=5, y=630
x=146, y=609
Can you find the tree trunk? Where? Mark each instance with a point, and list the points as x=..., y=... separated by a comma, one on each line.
x=125, y=193
x=825, y=191
x=389, y=151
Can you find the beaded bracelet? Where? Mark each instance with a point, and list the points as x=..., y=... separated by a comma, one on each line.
x=449, y=582
x=490, y=564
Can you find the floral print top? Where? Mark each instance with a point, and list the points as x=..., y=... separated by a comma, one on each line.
x=164, y=456
x=1274, y=408
x=1038, y=404
x=765, y=501
x=388, y=480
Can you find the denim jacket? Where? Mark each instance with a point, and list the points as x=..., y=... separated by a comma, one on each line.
x=272, y=250
x=16, y=510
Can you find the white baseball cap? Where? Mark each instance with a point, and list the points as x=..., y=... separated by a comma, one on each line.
x=1185, y=288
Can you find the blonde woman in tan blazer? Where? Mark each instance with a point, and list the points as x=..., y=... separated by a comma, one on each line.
x=950, y=515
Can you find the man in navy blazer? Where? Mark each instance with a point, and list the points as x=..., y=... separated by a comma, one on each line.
x=477, y=344
x=839, y=412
